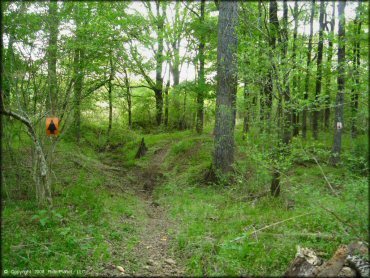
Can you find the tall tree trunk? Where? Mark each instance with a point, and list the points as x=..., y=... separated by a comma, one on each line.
x=52, y=58
x=288, y=110
x=307, y=80
x=159, y=61
x=110, y=98
x=201, y=81
x=78, y=74
x=128, y=98
x=226, y=86
x=295, y=77
x=175, y=66
x=328, y=71
x=356, y=66
x=7, y=68
x=274, y=29
x=246, y=110
x=335, y=158
x=315, y=120
x=166, y=102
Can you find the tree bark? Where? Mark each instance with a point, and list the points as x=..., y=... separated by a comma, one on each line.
x=307, y=80
x=335, y=158
x=110, y=98
x=166, y=102
x=52, y=49
x=295, y=77
x=287, y=111
x=315, y=120
x=159, y=65
x=78, y=75
x=328, y=71
x=201, y=80
x=226, y=86
x=128, y=98
x=356, y=66
x=41, y=171
x=246, y=110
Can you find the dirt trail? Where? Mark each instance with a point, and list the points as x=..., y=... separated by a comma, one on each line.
x=152, y=254
x=154, y=238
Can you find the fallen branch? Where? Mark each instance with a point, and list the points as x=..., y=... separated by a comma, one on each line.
x=271, y=225
x=326, y=179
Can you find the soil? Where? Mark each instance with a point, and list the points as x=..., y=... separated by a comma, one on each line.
x=152, y=256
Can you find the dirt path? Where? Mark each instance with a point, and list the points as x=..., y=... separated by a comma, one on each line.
x=152, y=255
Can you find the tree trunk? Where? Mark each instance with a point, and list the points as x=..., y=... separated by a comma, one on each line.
x=307, y=80
x=110, y=98
x=77, y=92
x=41, y=170
x=201, y=81
x=226, y=86
x=246, y=111
x=128, y=98
x=335, y=158
x=295, y=77
x=159, y=62
x=328, y=71
x=288, y=110
x=356, y=66
x=166, y=103
x=274, y=29
x=52, y=58
x=78, y=76
x=315, y=120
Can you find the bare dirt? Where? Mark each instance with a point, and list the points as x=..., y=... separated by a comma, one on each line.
x=152, y=256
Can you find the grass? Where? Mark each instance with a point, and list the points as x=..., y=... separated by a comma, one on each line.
x=86, y=224
x=94, y=224
x=210, y=218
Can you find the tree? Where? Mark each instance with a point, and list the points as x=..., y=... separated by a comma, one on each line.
x=201, y=78
x=295, y=115
x=307, y=79
x=52, y=57
x=328, y=69
x=335, y=158
x=315, y=120
x=226, y=86
x=356, y=72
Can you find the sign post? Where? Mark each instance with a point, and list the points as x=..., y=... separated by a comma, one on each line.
x=52, y=126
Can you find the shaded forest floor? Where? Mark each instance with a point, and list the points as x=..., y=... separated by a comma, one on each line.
x=157, y=216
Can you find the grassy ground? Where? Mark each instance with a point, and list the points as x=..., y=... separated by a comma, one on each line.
x=98, y=218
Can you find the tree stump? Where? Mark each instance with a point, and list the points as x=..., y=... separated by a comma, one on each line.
x=142, y=149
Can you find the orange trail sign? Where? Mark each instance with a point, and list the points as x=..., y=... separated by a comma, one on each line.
x=52, y=126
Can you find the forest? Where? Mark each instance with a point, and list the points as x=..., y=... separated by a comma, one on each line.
x=185, y=138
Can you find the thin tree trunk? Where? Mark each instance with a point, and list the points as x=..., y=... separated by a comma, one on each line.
x=226, y=86
x=110, y=98
x=335, y=158
x=166, y=103
x=274, y=29
x=246, y=110
x=328, y=71
x=315, y=120
x=295, y=77
x=307, y=80
x=41, y=170
x=128, y=98
x=288, y=110
x=159, y=62
x=52, y=58
x=356, y=66
x=201, y=81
